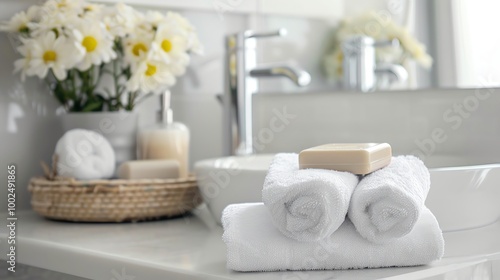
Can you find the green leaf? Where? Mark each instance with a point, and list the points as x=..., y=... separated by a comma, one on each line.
x=59, y=94
x=94, y=105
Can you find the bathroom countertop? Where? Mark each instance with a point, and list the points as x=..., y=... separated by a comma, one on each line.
x=191, y=248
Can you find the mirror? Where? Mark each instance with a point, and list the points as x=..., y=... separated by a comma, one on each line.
x=460, y=38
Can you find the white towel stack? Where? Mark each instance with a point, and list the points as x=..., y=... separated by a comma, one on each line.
x=302, y=224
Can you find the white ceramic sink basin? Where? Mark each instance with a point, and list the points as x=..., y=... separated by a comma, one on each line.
x=460, y=197
x=229, y=180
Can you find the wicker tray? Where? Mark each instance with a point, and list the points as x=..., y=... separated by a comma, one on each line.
x=113, y=200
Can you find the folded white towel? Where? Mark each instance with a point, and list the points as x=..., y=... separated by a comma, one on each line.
x=387, y=203
x=308, y=204
x=254, y=244
x=85, y=154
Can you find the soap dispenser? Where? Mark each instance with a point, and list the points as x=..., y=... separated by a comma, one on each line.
x=165, y=139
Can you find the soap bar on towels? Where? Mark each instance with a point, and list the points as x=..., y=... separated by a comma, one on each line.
x=357, y=158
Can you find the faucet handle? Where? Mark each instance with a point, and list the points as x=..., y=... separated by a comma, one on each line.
x=278, y=33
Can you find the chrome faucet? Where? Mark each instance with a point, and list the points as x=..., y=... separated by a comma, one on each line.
x=359, y=63
x=241, y=82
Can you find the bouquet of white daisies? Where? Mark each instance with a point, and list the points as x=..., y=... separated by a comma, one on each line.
x=73, y=45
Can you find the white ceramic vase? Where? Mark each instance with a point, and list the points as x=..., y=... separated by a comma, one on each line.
x=120, y=128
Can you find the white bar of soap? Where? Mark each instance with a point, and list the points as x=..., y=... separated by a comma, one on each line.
x=357, y=158
x=149, y=169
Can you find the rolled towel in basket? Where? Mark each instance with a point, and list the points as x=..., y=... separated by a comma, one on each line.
x=85, y=155
x=254, y=244
x=386, y=204
x=308, y=204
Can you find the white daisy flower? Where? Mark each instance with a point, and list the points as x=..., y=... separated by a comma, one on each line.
x=96, y=42
x=20, y=22
x=333, y=63
x=415, y=49
x=58, y=22
x=92, y=11
x=171, y=46
x=120, y=20
x=64, y=6
x=59, y=16
x=23, y=64
x=193, y=42
x=151, y=76
x=137, y=47
x=154, y=19
x=51, y=53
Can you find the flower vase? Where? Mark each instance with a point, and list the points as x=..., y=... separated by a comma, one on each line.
x=119, y=128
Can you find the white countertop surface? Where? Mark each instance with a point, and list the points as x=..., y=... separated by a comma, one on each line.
x=191, y=248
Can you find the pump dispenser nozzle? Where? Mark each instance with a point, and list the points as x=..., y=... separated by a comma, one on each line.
x=165, y=114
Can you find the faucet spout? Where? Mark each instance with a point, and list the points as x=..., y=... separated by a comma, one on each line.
x=298, y=76
x=397, y=72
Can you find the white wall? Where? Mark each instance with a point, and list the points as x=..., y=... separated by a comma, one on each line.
x=28, y=124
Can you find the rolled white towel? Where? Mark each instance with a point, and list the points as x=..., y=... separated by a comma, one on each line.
x=254, y=244
x=386, y=204
x=84, y=155
x=308, y=204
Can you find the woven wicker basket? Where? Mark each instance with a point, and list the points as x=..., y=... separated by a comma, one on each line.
x=113, y=200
